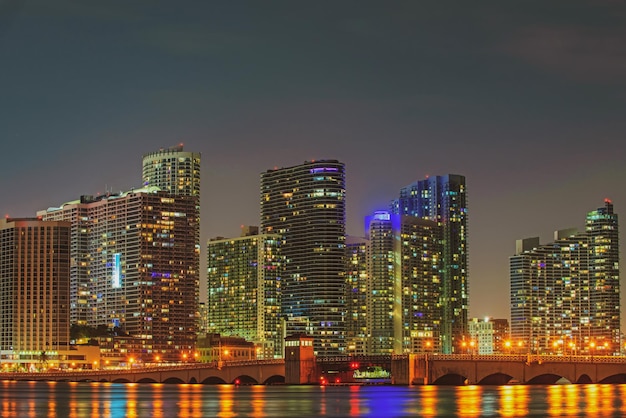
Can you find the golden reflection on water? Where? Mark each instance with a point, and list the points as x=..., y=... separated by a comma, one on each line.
x=429, y=401
x=555, y=401
x=191, y=400
x=226, y=401
x=52, y=400
x=513, y=400
x=131, y=400
x=157, y=400
x=63, y=399
x=592, y=398
x=72, y=402
x=622, y=395
x=258, y=401
x=607, y=397
x=468, y=401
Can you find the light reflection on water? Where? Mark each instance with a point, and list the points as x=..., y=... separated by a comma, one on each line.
x=70, y=399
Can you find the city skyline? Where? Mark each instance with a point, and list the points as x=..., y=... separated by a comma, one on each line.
x=526, y=103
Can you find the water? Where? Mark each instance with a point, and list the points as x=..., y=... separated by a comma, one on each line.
x=69, y=399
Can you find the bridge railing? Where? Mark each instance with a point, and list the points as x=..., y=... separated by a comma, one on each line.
x=144, y=368
x=528, y=358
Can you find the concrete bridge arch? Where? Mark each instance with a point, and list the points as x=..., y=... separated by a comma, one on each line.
x=502, y=369
x=255, y=372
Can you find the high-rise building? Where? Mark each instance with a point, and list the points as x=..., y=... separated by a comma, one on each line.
x=443, y=199
x=173, y=170
x=384, y=324
x=565, y=296
x=244, y=289
x=34, y=289
x=305, y=204
x=489, y=336
x=77, y=213
x=404, y=284
x=356, y=295
x=139, y=266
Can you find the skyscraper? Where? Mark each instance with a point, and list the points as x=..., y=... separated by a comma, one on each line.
x=173, y=170
x=356, y=295
x=305, y=204
x=142, y=267
x=443, y=199
x=34, y=288
x=384, y=324
x=244, y=293
x=404, y=284
x=565, y=296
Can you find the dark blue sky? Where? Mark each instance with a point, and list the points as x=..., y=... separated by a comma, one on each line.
x=527, y=99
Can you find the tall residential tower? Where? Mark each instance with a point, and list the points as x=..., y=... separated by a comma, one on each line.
x=141, y=265
x=173, y=170
x=404, y=284
x=443, y=199
x=305, y=205
x=34, y=288
x=244, y=293
x=565, y=296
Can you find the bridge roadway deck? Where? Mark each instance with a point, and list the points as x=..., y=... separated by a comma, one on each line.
x=246, y=372
x=405, y=369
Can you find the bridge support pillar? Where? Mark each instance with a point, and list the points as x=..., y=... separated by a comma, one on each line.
x=411, y=369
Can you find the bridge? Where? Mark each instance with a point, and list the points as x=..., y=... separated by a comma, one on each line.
x=506, y=369
x=410, y=369
x=244, y=372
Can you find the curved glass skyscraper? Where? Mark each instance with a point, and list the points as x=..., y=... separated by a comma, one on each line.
x=305, y=204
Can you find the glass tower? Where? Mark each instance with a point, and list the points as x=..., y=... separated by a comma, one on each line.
x=356, y=295
x=305, y=204
x=443, y=199
x=404, y=284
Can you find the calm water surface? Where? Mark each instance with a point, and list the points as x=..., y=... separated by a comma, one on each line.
x=66, y=399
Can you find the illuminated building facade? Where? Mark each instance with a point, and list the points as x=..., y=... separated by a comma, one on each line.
x=173, y=170
x=305, y=204
x=443, y=199
x=501, y=336
x=244, y=294
x=404, y=284
x=203, y=317
x=34, y=289
x=565, y=296
x=356, y=296
x=143, y=265
x=78, y=216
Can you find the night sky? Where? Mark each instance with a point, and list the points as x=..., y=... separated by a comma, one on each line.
x=527, y=99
